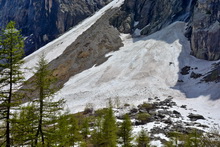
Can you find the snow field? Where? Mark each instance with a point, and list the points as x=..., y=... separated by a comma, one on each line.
x=145, y=67
x=56, y=47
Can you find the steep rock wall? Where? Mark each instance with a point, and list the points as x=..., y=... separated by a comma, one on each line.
x=150, y=16
x=205, y=38
x=203, y=17
x=43, y=20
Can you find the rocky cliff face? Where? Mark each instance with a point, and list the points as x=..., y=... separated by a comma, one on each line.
x=150, y=16
x=203, y=17
x=43, y=20
x=205, y=38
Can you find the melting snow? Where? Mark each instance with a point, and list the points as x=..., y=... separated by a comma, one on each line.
x=55, y=48
x=145, y=67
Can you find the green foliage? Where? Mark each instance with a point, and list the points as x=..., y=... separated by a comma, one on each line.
x=194, y=139
x=105, y=129
x=11, y=53
x=143, y=139
x=175, y=137
x=109, y=129
x=62, y=130
x=48, y=110
x=101, y=112
x=97, y=134
x=37, y=123
x=74, y=135
x=143, y=117
x=85, y=129
x=125, y=131
x=146, y=106
x=24, y=126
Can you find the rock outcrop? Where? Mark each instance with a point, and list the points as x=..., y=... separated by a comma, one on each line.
x=150, y=16
x=205, y=38
x=203, y=17
x=44, y=20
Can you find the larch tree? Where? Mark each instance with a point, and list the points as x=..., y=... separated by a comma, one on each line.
x=24, y=124
x=125, y=131
x=11, y=53
x=48, y=109
x=143, y=139
x=97, y=134
x=109, y=130
x=74, y=132
x=85, y=129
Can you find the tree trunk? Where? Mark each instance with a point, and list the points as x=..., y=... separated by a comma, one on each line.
x=8, y=139
x=39, y=129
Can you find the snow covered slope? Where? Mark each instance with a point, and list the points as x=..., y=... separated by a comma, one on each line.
x=145, y=67
x=55, y=48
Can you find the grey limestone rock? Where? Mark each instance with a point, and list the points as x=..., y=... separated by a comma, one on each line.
x=195, y=117
x=205, y=38
x=41, y=21
x=150, y=16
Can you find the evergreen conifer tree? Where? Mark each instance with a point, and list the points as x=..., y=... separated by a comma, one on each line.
x=74, y=132
x=126, y=131
x=109, y=129
x=48, y=110
x=97, y=134
x=143, y=139
x=62, y=132
x=24, y=126
x=11, y=53
x=85, y=129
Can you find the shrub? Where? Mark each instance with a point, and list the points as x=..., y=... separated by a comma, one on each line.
x=126, y=105
x=146, y=106
x=143, y=118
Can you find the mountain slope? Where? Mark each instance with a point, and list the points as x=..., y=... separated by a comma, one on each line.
x=55, y=48
x=146, y=67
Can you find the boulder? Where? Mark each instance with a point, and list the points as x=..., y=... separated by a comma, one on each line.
x=195, y=117
x=177, y=114
x=195, y=75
